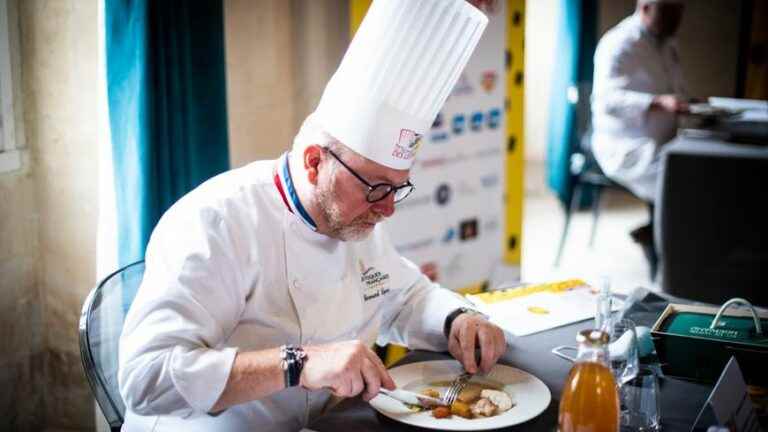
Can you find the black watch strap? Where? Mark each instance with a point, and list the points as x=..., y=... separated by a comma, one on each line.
x=292, y=362
x=453, y=315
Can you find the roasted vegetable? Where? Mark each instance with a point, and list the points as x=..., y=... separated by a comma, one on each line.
x=461, y=409
x=441, y=412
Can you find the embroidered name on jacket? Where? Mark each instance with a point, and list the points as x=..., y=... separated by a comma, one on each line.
x=375, y=283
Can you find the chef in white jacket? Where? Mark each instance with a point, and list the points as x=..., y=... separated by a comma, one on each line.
x=638, y=91
x=266, y=286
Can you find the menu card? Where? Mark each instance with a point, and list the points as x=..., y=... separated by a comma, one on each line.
x=531, y=309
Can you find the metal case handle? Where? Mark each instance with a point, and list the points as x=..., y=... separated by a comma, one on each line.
x=733, y=301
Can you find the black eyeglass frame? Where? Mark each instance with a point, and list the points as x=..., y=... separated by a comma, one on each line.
x=390, y=188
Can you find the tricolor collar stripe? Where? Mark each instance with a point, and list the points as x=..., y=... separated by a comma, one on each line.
x=281, y=191
x=293, y=201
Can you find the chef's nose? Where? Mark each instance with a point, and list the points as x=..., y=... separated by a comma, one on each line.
x=385, y=207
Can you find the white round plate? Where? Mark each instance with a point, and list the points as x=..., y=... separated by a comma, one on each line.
x=530, y=395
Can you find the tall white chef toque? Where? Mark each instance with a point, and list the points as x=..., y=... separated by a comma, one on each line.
x=396, y=75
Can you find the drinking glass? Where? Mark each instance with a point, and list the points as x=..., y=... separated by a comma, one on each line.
x=640, y=403
x=622, y=351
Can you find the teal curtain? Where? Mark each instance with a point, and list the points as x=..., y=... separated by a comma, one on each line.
x=166, y=95
x=575, y=49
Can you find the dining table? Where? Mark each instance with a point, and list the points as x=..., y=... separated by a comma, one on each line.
x=680, y=401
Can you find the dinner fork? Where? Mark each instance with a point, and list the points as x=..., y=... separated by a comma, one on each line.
x=456, y=387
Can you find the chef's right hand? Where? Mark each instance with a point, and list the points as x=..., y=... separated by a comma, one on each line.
x=670, y=103
x=346, y=368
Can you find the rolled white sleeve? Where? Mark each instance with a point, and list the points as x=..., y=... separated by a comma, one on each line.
x=172, y=358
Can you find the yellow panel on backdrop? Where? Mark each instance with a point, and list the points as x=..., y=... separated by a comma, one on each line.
x=357, y=10
x=514, y=113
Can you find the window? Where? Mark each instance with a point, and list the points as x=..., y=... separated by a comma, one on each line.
x=11, y=125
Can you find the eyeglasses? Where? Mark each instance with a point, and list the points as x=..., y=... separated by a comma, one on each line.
x=379, y=191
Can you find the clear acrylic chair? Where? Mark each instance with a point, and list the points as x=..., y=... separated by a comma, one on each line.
x=101, y=322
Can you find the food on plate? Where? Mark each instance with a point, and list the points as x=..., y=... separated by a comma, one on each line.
x=441, y=412
x=461, y=409
x=483, y=407
x=476, y=400
x=499, y=398
x=470, y=393
x=431, y=393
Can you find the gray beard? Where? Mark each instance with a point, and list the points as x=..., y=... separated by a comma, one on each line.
x=327, y=203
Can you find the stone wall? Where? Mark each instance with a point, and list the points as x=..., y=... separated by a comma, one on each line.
x=48, y=212
x=20, y=306
x=280, y=54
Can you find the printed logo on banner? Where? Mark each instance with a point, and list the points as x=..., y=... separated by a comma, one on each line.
x=462, y=87
x=488, y=80
x=443, y=194
x=490, y=7
x=438, y=136
x=407, y=145
x=375, y=283
x=494, y=118
x=429, y=269
x=449, y=235
x=489, y=180
x=468, y=229
x=476, y=121
x=458, y=124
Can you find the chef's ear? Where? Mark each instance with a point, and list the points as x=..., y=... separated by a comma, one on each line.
x=312, y=158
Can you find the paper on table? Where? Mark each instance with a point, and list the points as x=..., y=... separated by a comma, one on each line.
x=531, y=309
x=753, y=110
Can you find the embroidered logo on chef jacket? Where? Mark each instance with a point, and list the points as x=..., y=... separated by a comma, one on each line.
x=375, y=283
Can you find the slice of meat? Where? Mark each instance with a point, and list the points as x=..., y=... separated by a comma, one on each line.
x=499, y=398
x=483, y=407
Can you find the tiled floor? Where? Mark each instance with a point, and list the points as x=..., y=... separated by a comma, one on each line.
x=614, y=254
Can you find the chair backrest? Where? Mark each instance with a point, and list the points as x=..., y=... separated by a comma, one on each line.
x=101, y=323
x=711, y=221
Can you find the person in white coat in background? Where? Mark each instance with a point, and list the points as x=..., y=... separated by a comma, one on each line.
x=266, y=287
x=638, y=92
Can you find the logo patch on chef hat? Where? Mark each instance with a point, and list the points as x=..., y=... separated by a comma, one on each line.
x=407, y=145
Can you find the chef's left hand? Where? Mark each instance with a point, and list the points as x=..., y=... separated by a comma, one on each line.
x=467, y=332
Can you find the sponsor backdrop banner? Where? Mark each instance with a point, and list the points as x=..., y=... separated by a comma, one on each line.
x=454, y=221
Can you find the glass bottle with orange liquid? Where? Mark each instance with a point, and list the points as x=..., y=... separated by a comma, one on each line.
x=590, y=399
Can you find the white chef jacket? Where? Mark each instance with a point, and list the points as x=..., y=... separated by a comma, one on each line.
x=229, y=268
x=631, y=67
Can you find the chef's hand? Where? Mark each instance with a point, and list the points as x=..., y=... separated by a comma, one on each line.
x=469, y=330
x=346, y=368
x=670, y=103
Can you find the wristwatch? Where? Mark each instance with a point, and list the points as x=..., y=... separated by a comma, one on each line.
x=453, y=315
x=292, y=362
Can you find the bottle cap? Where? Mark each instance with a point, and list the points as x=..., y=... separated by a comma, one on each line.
x=592, y=337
